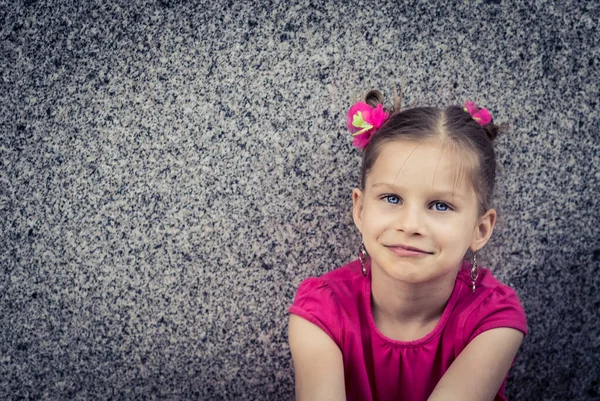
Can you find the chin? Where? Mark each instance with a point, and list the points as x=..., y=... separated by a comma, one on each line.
x=414, y=272
x=408, y=270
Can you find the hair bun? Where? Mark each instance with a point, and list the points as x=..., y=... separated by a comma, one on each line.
x=373, y=98
x=491, y=130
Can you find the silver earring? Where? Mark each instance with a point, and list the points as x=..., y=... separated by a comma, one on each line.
x=474, y=272
x=362, y=256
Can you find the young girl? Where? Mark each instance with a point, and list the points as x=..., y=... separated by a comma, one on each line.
x=410, y=319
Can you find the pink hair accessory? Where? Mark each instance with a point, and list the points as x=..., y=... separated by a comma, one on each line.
x=482, y=116
x=363, y=120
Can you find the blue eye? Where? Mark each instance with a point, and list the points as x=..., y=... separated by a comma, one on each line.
x=441, y=207
x=393, y=199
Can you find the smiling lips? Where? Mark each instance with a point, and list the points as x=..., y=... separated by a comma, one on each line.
x=404, y=250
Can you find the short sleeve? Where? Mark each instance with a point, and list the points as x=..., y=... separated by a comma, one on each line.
x=501, y=308
x=316, y=303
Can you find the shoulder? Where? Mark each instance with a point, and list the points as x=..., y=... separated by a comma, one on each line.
x=493, y=304
x=328, y=301
x=340, y=283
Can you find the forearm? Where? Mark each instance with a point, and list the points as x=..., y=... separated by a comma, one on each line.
x=479, y=371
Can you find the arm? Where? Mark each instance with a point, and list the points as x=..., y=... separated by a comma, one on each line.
x=479, y=370
x=318, y=363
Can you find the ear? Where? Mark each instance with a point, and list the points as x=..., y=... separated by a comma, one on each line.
x=357, y=207
x=483, y=230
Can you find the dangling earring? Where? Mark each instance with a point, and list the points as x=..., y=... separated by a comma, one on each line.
x=362, y=256
x=474, y=271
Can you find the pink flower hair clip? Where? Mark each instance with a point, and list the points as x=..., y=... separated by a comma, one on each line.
x=482, y=116
x=363, y=120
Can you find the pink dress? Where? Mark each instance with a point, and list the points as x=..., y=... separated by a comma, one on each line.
x=378, y=368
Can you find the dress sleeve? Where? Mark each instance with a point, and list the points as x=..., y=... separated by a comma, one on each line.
x=316, y=303
x=501, y=308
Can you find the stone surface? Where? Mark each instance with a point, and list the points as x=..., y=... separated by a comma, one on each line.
x=171, y=172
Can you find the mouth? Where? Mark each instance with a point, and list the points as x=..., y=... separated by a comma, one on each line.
x=405, y=250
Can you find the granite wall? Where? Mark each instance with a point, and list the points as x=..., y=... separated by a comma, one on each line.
x=170, y=172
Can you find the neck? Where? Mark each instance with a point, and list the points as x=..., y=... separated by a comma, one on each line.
x=402, y=303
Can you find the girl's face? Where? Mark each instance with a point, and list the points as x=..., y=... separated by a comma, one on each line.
x=418, y=213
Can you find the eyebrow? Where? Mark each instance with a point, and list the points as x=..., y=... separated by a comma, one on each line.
x=443, y=194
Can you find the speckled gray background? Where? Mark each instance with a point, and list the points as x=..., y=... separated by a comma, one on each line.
x=171, y=172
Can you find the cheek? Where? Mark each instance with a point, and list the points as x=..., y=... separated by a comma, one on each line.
x=451, y=231
x=374, y=217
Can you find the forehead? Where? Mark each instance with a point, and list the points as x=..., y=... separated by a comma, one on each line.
x=433, y=165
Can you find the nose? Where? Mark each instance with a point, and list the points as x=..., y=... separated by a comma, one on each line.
x=410, y=220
